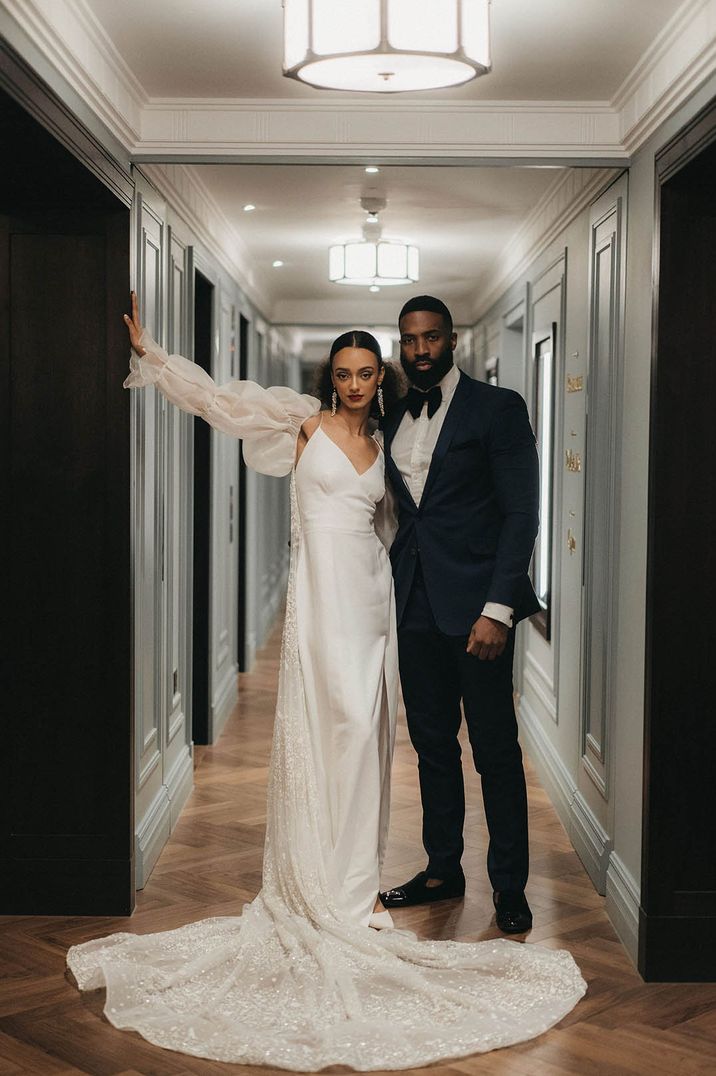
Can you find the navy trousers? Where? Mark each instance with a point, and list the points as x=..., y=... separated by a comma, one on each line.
x=437, y=674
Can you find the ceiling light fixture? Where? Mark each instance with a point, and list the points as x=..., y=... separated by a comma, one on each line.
x=371, y=169
x=373, y=261
x=249, y=207
x=386, y=46
x=277, y=264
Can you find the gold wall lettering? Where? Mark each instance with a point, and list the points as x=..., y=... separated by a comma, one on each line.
x=573, y=461
x=575, y=384
x=571, y=542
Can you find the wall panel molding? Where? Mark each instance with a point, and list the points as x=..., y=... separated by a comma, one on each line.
x=607, y=284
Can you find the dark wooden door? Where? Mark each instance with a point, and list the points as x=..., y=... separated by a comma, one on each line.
x=243, y=375
x=203, y=320
x=66, y=826
x=678, y=914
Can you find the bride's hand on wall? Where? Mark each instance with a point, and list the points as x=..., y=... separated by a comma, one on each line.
x=134, y=325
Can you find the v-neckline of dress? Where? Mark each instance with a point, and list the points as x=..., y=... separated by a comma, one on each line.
x=359, y=474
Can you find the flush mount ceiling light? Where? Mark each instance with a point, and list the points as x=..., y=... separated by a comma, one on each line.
x=386, y=46
x=373, y=261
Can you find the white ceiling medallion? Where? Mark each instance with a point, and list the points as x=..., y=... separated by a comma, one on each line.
x=386, y=46
x=373, y=261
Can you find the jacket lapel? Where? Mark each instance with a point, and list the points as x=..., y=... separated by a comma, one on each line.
x=449, y=428
x=390, y=428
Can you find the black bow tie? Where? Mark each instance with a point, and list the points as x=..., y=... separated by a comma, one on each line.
x=415, y=400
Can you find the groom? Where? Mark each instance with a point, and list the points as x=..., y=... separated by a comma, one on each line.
x=462, y=461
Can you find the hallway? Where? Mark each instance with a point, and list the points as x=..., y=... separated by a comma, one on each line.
x=212, y=865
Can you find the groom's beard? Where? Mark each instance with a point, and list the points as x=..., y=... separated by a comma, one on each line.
x=425, y=379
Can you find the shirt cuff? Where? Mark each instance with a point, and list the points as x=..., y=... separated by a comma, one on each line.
x=495, y=611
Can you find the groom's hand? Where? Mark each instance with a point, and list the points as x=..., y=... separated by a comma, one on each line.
x=488, y=639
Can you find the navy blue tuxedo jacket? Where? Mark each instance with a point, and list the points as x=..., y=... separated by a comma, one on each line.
x=477, y=521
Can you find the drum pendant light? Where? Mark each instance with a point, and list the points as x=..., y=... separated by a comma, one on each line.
x=386, y=46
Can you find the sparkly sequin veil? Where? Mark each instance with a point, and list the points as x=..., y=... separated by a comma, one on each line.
x=290, y=983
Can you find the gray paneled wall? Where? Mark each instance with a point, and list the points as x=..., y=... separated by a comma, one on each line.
x=165, y=256
x=569, y=306
x=607, y=250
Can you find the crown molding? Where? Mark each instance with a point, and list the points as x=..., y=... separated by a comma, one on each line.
x=675, y=65
x=77, y=46
x=532, y=130
x=560, y=204
x=196, y=206
x=591, y=132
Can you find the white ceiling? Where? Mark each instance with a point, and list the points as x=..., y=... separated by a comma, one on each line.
x=548, y=50
x=461, y=218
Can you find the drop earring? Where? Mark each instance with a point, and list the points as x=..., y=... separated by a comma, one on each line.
x=334, y=402
x=381, y=405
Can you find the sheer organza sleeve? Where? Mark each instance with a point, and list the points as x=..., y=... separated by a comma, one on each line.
x=267, y=420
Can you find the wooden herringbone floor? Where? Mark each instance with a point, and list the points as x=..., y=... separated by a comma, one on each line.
x=212, y=865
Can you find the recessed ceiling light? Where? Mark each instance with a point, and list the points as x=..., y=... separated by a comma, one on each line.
x=372, y=169
x=374, y=287
x=277, y=264
x=249, y=207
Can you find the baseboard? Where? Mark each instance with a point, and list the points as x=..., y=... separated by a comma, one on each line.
x=553, y=773
x=677, y=948
x=622, y=905
x=152, y=834
x=591, y=843
x=534, y=675
x=67, y=887
x=251, y=648
x=223, y=703
x=180, y=783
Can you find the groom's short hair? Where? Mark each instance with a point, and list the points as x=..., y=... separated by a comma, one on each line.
x=427, y=302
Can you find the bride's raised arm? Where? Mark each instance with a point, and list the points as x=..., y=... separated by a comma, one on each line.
x=267, y=420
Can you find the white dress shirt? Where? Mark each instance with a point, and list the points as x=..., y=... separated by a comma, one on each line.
x=412, y=451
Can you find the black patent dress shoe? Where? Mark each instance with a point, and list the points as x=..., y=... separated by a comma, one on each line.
x=416, y=891
x=512, y=912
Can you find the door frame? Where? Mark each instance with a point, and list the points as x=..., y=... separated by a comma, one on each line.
x=665, y=939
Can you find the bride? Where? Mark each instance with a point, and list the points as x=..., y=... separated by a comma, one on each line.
x=299, y=980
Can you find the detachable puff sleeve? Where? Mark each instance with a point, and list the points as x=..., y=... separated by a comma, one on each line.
x=267, y=420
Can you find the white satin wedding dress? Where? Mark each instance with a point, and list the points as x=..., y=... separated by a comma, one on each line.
x=298, y=980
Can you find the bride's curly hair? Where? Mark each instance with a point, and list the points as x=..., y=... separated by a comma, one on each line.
x=393, y=379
